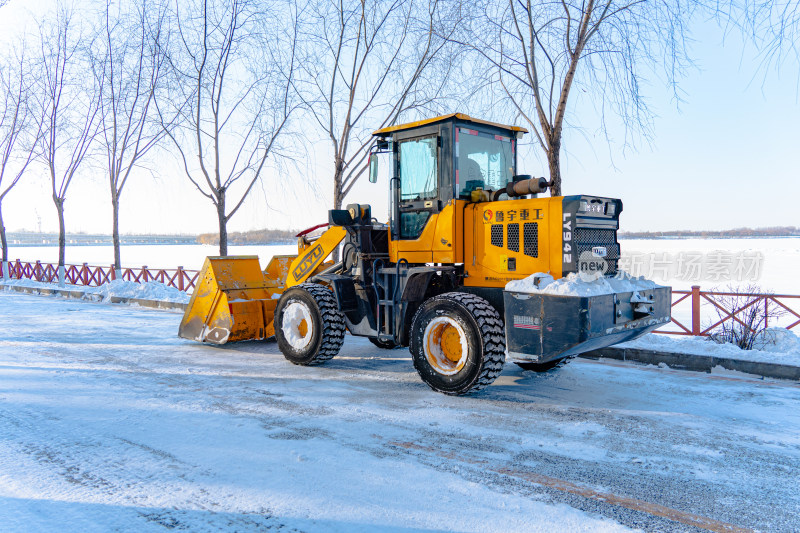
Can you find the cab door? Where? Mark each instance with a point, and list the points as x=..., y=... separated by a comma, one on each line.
x=415, y=195
x=419, y=184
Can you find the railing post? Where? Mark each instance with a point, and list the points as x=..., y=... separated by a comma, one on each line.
x=766, y=312
x=112, y=274
x=37, y=270
x=144, y=273
x=180, y=278
x=695, y=309
x=85, y=274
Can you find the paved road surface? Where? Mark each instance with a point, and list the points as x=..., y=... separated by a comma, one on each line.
x=108, y=421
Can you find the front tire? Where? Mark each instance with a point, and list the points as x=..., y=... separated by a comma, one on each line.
x=457, y=343
x=309, y=327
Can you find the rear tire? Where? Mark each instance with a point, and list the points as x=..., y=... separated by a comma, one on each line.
x=457, y=343
x=309, y=327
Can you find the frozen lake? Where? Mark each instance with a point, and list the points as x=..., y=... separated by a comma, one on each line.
x=154, y=256
x=771, y=263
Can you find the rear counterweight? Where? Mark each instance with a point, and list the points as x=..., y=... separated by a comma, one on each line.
x=545, y=327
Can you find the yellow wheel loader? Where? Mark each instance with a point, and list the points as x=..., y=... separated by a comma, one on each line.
x=463, y=224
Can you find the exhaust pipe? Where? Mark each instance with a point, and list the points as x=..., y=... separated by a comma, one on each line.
x=527, y=186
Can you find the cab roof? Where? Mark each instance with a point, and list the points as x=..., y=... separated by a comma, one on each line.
x=385, y=132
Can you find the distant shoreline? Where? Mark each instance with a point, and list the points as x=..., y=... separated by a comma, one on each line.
x=778, y=232
x=279, y=237
x=258, y=238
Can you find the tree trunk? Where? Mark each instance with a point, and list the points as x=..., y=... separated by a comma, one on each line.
x=338, y=197
x=115, y=232
x=338, y=172
x=554, y=164
x=62, y=240
x=223, y=224
x=4, y=244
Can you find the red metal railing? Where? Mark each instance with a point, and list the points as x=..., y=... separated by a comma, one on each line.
x=94, y=276
x=727, y=307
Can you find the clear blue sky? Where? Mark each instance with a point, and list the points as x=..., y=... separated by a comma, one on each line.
x=727, y=157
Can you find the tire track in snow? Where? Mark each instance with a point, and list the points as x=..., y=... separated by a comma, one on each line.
x=654, y=509
x=95, y=471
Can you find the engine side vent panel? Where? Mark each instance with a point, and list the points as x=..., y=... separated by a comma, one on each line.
x=497, y=235
x=531, y=239
x=513, y=237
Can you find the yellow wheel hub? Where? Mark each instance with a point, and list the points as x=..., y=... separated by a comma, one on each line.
x=451, y=343
x=445, y=345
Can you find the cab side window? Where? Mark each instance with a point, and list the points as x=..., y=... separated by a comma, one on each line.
x=412, y=224
x=418, y=182
x=418, y=170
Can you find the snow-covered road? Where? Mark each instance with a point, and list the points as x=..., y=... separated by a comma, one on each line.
x=109, y=422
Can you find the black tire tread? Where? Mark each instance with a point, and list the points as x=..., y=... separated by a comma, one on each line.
x=492, y=335
x=333, y=327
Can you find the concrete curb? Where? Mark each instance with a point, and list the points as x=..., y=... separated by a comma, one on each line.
x=93, y=297
x=697, y=363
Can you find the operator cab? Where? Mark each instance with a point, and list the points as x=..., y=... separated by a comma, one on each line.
x=436, y=161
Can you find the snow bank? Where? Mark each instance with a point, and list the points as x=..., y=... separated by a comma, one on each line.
x=574, y=285
x=775, y=345
x=777, y=340
x=152, y=290
x=36, y=284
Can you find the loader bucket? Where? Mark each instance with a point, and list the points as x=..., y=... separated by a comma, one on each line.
x=233, y=301
x=276, y=272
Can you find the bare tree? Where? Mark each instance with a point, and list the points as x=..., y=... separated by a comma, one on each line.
x=772, y=25
x=233, y=65
x=66, y=105
x=540, y=51
x=18, y=134
x=130, y=65
x=363, y=64
x=743, y=315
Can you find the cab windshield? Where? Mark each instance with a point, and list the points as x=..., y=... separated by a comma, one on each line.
x=483, y=160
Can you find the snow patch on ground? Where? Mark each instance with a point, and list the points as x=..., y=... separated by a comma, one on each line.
x=775, y=345
x=777, y=340
x=574, y=285
x=38, y=284
x=151, y=290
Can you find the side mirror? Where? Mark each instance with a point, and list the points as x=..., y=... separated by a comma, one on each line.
x=373, y=168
